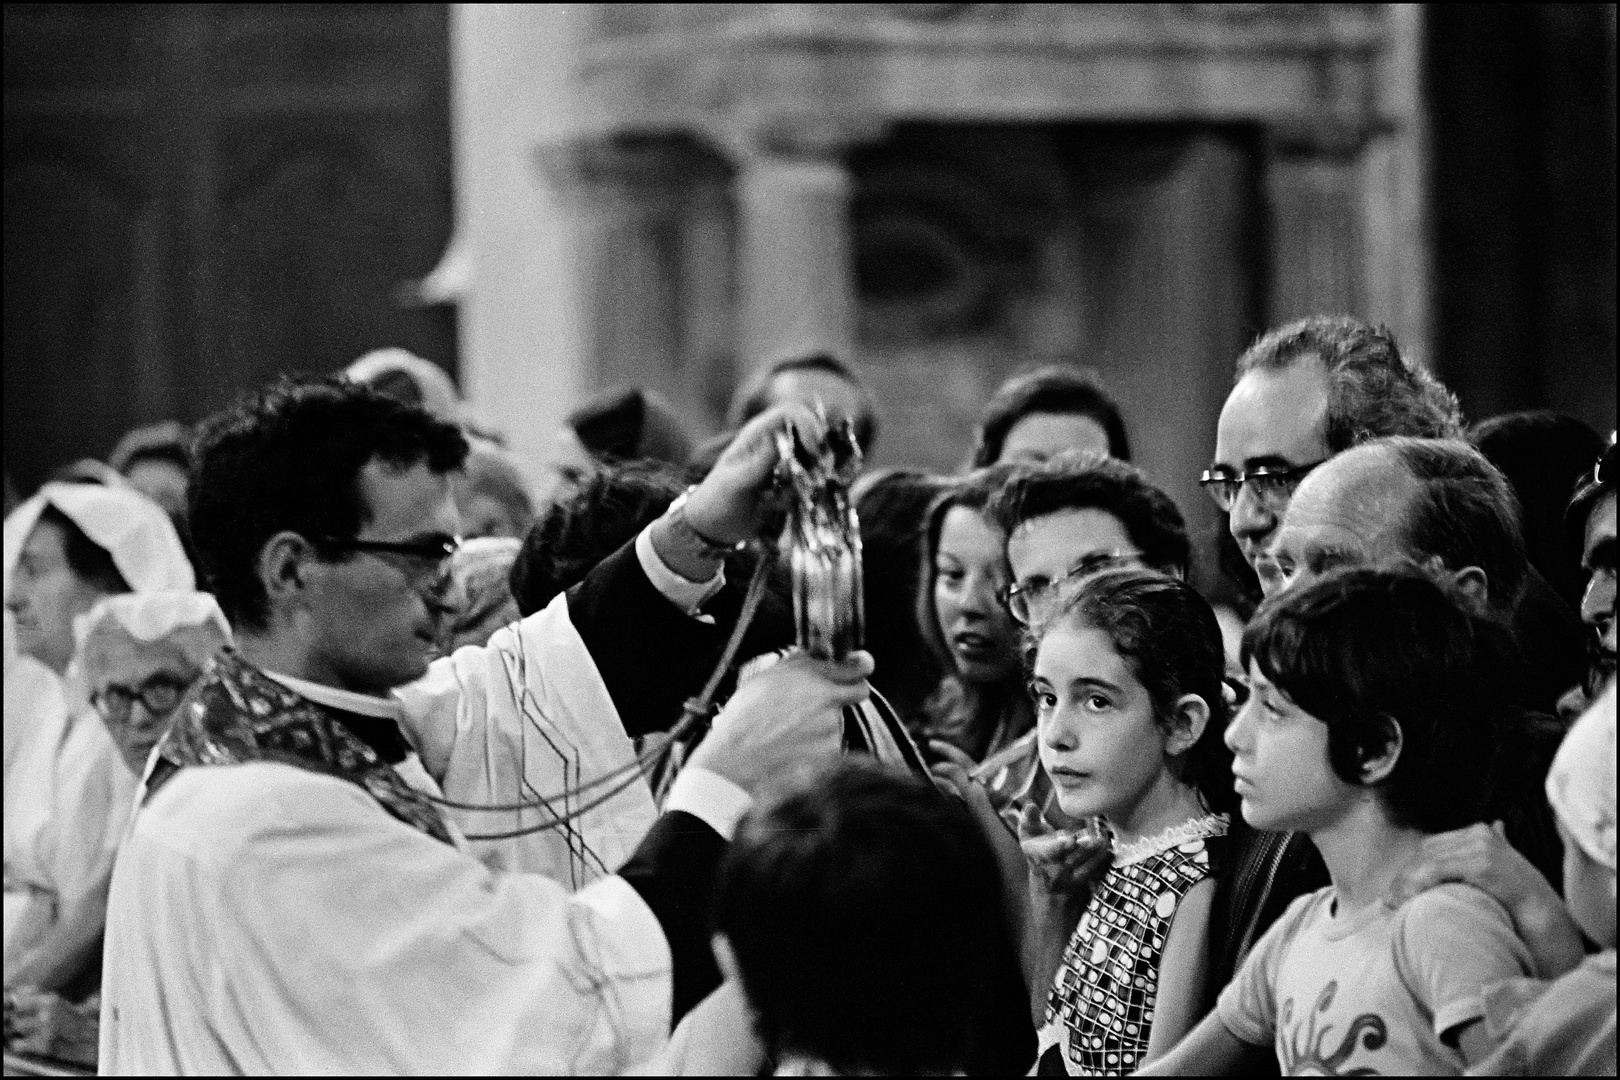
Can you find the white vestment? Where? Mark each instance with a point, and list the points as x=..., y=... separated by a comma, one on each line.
x=268, y=918
x=67, y=800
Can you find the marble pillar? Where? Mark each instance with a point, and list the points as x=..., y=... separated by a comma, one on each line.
x=795, y=273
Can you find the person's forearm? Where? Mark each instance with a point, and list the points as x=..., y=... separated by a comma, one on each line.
x=67, y=948
x=1048, y=927
x=1551, y=935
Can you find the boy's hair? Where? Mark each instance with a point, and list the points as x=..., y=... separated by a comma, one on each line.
x=862, y=907
x=1081, y=481
x=604, y=510
x=1363, y=647
x=1169, y=637
x=290, y=459
x=1055, y=388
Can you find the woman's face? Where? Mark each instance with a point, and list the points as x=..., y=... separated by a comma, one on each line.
x=970, y=568
x=1039, y=436
x=135, y=687
x=1100, y=741
x=46, y=596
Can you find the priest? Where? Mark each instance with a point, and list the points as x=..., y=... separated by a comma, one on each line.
x=292, y=894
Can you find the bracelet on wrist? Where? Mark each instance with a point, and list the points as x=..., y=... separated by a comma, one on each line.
x=711, y=548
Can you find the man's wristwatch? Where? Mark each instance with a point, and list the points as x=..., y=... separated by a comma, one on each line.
x=710, y=548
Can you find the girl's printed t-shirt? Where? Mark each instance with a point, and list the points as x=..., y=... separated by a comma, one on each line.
x=1375, y=992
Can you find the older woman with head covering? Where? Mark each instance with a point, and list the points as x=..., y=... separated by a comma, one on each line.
x=137, y=655
x=64, y=549
x=66, y=791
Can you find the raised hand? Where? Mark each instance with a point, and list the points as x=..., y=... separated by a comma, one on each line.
x=1480, y=855
x=736, y=499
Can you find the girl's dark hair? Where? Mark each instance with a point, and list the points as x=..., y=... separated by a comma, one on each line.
x=863, y=911
x=1056, y=388
x=1363, y=648
x=1169, y=637
x=89, y=561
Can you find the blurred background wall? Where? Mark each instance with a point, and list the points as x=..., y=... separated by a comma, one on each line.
x=548, y=200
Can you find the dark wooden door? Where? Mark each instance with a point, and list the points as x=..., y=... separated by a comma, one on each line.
x=199, y=197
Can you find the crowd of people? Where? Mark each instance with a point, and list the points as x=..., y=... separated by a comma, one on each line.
x=333, y=746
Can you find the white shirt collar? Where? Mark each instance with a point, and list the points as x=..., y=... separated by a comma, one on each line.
x=346, y=700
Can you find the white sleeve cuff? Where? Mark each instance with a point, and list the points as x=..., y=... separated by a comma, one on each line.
x=711, y=797
x=686, y=595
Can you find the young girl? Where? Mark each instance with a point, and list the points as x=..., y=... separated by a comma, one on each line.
x=1369, y=726
x=1127, y=685
x=981, y=705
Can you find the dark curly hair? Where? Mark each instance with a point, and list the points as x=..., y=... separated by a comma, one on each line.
x=1168, y=636
x=1373, y=390
x=603, y=510
x=862, y=907
x=1362, y=648
x=1082, y=481
x=289, y=459
x=1055, y=388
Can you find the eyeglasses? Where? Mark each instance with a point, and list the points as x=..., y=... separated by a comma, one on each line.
x=429, y=559
x=158, y=695
x=1272, y=485
x=1032, y=602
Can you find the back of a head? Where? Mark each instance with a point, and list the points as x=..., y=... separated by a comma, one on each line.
x=168, y=440
x=861, y=905
x=630, y=425
x=1373, y=391
x=1543, y=455
x=410, y=380
x=585, y=524
x=1464, y=513
x=1055, y=388
x=289, y=459
x=1081, y=481
x=1363, y=645
x=754, y=397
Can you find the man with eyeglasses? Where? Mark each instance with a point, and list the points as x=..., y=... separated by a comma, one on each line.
x=292, y=894
x=1304, y=392
x=1591, y=516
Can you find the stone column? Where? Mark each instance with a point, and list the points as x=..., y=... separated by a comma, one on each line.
x=795, y=271
x=1316, y=261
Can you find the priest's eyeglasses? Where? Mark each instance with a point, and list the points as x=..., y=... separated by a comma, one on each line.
x=1034, y=600
x=158, y=695
x=425, y=562
x=1271, y=485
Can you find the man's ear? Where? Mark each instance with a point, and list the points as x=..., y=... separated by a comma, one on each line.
x=726, y=957
x=1377, y=762
x=1474, y=585
x=1188, y=719
x=281, y=566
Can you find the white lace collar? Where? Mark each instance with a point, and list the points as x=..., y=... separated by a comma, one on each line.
x=1134, y=851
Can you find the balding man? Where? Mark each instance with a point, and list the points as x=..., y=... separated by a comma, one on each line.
x=1438, y=503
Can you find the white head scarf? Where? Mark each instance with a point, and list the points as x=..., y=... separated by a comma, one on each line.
x=439, y=395
x=148, y=617
x=133, y=529
x=1580, y=784
x=152, y=616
